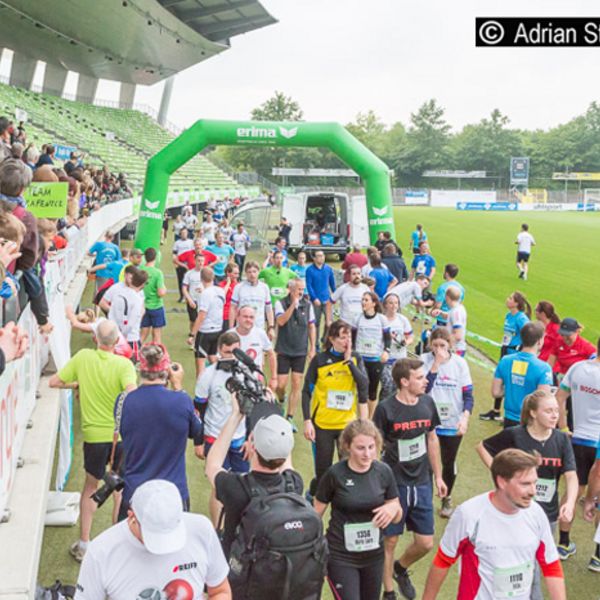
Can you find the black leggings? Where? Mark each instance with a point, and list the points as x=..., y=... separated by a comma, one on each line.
x=449, y=445
x=355, y=583
x=373, y=368
x=180, y=272
x=326, y=441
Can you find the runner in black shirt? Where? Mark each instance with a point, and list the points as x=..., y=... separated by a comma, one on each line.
x=363, y=497
x=538, y=434
x=412, y=449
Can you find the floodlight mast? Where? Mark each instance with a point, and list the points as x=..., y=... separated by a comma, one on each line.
x=373, y=171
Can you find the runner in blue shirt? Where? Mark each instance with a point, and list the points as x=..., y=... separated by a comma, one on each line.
x=521, y=373
x=223, y=252
x=423, y=263
x=442, y=309
x=300, y=267
x=519, y=313
x=416, y=237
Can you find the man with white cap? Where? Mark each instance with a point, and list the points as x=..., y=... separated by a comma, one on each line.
x=158, y=553
x=271, y=445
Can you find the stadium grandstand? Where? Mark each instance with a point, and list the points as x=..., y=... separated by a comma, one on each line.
x=132, y=42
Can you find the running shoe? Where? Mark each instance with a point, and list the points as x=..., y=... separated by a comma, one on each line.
x=594, y=564
x=521, y=274
x=291, y=421
x=490, y=415
x=447, y=508
x=564, y=552
x=389, y=596
x=402, y=578
x=77, y=552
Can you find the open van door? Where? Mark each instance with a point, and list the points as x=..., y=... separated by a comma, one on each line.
x=293, y=210
x=359, y=224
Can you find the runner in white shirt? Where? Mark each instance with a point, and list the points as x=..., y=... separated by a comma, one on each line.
x=241, y=243
x=349, y=295
x=191, y=222
x=524, y=243
x=456, y=320
x=209, y=323
x=158, y=552
x=192, y=289
x=255, y=342
x=401, y=333
x=183, y=244
x=255, y=293
x=498, y=536
x=209, y=229
x=410, y=292
x=450, y=385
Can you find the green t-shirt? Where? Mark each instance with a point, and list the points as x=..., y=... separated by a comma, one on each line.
x=277, y=280
x=102, y=376
x=156, y=280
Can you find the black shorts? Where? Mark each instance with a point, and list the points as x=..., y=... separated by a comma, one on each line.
x=585, y=456
x=207, y=342
x=192, y=313
x=286, y=363
x=522, y=256
x=97, y=456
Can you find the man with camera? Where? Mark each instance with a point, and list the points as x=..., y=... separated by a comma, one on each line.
x=158, y=552
x=214, y=402
x=100, y=375
x=155, y=423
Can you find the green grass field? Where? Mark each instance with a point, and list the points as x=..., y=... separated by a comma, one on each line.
x=482, y=244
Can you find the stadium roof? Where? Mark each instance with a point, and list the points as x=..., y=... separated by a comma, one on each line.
x=132, y=41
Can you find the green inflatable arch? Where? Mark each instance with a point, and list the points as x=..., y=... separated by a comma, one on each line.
x=373, y=171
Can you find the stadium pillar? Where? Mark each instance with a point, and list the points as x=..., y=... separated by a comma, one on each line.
x=126, y=95
x=165, y=101
x=86, y=88
x=54, y=80
x=373, y=172
x=22, y=71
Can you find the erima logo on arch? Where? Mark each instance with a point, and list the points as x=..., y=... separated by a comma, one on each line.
x=266, y=132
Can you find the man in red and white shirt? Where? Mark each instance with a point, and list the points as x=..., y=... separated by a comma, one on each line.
x=498, y=536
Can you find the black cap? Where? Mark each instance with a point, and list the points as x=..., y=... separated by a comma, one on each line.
x=568, y=326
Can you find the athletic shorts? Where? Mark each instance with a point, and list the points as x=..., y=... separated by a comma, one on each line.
x=286, y=363
x=585, y=456
x=97, y=455
x=233, y=459
x=417, y=510
x=154, y=317
x=192, y=313
x=523, y=256
x=206, y=342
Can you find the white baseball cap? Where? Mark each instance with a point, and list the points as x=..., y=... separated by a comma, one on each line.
x=158, y=508
x=273, y=437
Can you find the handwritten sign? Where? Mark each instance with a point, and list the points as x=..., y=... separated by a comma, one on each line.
x=47, y=200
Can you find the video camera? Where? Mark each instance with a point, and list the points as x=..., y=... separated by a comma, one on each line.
x=248, y=389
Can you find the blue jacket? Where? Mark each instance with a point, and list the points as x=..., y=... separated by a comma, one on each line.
x=320, y=283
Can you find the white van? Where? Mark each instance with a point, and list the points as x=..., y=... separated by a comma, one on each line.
x=326, y=221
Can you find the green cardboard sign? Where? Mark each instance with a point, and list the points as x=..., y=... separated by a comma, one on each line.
x=47, y=200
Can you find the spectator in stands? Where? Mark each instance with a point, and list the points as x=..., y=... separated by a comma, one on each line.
x=45, y=174
x=17, y=150
x=72, y=163
x=100, y=375
x=47, y=158
x=14, y=342
x=31, y=156
x=5, y=151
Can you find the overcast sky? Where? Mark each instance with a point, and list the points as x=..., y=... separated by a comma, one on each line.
x=340, y=57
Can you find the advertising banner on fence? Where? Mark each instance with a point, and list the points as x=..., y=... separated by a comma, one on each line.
x=416, y=197
x=450, y=198
x=497, y=206
x=548, y=206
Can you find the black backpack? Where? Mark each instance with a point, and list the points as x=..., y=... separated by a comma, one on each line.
x=279, y=551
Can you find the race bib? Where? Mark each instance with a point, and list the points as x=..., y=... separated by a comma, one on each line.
x=360, y=537
x=366, y=346
x=513, y=581
x=545, y=490
x=445, y=410
x=412, y=449
x=340, y=400
x=506, y=339
x=277, y=292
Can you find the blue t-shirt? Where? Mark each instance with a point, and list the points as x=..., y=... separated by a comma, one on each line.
x=155, y=426
x=105, y=252
x=423, y=264
x=300, y=270
x=512, y=330
x=285, y=262
x=521, y=373
x=440, y=296
x=223, y=253
x=415, y=239
x=112, y=270
x=382, y=279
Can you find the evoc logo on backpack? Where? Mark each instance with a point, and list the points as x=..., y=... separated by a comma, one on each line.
x=293, y=525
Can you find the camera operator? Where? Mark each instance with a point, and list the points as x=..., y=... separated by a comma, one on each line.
x=156, y=423
x=159, y=552
x=215, y=403
x=100, y=377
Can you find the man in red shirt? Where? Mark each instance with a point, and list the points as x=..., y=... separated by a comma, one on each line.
x=571, y=348
x=354, y=258
x=189, y=257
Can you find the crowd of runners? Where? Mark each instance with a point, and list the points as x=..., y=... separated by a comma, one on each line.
x=384, y=407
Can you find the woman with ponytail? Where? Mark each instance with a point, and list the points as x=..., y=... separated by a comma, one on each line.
x=546, y=314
